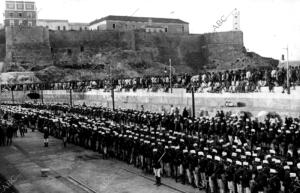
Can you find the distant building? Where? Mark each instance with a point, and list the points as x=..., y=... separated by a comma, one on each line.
x=1, y=26
x=53, y=24
x=79, y=26
x=61, y=25
x=20, y=13
x=149, y=24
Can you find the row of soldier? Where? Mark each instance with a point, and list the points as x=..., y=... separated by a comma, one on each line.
x=219, y=154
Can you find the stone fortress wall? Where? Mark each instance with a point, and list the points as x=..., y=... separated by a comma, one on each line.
x=42, y=47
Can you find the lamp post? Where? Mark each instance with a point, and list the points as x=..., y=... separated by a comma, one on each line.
x=42, y=96
x=112, y=88
x=12, y=95
x=170, y=62
x=287, y=70
x=193, y=101
x=71, y=100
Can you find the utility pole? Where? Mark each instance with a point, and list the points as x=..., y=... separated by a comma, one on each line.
x=71, y=100
x=112, y=88
x=170, y=62
x=42, y=96
x=12, y=95
x=193, y=101
x=287, y=70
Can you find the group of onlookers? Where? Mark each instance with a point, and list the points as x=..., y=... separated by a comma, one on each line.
x=235, y=81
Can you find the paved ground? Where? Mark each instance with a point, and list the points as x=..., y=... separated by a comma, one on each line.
x=73, y=170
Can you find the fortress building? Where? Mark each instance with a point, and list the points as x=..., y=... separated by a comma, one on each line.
x=148, y=24
x=61, y=25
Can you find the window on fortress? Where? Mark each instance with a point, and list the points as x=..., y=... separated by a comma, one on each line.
x=114, y=26
x=11, y=14
x=64, y=28
x=166, y=29
x=80, y=28
x=58, y=28
x=10, y=5
x=81, y=49
x=20, y=14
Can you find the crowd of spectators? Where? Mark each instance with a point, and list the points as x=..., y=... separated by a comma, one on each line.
x=234, y=81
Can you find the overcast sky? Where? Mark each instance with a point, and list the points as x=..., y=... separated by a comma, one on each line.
x=268, y=25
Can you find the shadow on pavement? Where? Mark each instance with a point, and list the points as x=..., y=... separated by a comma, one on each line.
x=6, y=185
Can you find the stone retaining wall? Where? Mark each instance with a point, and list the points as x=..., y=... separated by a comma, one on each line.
x=254, y=102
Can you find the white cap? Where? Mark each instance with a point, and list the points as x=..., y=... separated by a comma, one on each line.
x=289, y=163
x=209, y=156
x=293, y=175
x=298, y=165
x=193, y=151
x=248, y=153
x=185, y=151
x=229, y=160
x=265, y=162
x=200, y=153
x=273, y=171
x=154, y=150
x=217, y=158
x=259, y=167
x=272, y=151
x=257, y=159
x=286, y=167
x=245, y=163
x=268, y=156
x=238, y=163
x=277, y=161
x=224, y=153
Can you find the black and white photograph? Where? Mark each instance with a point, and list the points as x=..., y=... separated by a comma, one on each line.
x=150, y=96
